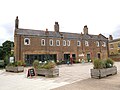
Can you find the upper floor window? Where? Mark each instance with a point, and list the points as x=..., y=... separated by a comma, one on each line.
x=68, y=42
x=118, y=45
x=43, y=42
x=104, y=44
x=78, y=43
x=64, y=43
x=86, y=43
x=51, y=42
x=111, y=46
x=58, y=43
x=97, y=43
x=26, y=41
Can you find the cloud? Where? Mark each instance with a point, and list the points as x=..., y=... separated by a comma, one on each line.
x=7, y=32
x=116, y=33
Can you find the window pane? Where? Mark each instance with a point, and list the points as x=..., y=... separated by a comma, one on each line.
x=57, y=43
x=68, y=42
x=43, y=42
x=119, y=45
x=78, y=43
x=51, y=42
x=26, y=41
x=64, y=43
x=86, y=43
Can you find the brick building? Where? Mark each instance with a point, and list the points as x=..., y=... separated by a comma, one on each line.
x=114, y=45
x=42, y=45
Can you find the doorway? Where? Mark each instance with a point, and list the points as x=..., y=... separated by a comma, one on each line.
x=88, y=57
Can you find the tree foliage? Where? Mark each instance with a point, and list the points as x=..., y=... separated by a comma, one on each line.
x=5, y=50
x=1, y=52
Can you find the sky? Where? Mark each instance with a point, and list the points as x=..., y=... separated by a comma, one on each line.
x=101, y=16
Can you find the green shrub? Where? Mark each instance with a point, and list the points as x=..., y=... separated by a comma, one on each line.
x=76, y=61
x=49, y=65
x=35, y=63
x=98, y=64
x=10, y=64
x=17, y=63
x=109, y=63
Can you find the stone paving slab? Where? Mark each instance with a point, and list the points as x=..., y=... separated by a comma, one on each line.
x=108, y=83
x=68, y=74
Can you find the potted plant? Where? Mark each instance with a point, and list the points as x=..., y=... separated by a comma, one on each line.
x=17, y=66
x=103, y=68
x=47, y=69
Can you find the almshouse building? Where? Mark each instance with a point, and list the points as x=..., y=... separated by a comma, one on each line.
x=54, y=45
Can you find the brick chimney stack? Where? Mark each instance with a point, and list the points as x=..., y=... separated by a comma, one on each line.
x=110, y=37
x=16, y=23
x=56, y=27
x=85, y=30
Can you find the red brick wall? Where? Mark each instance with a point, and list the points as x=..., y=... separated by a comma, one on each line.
x=36, y=48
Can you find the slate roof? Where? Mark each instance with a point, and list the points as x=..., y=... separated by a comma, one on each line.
x=66, y=35
x=115, y=40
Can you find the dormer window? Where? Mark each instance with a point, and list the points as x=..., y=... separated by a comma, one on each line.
x=26, y=41
x=86, y=43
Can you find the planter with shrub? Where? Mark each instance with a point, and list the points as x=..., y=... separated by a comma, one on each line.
x=103, y=68
x=47, y=69
x=17, y=66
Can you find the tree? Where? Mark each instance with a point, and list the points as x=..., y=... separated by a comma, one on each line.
x=1, y=53
x=7, y=45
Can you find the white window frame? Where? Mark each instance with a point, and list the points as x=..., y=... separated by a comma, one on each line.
x=42, y=40
x=57, y=42
x=25, y=43
x=86, y=43
x=64, y=43
x=119, y=45
x=51, y=42
x=97, y=43
x=78, y=43
x=68, y=42
x=104, y=44
x=112, y=46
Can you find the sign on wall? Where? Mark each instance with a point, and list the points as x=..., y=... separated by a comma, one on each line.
x=11, y=59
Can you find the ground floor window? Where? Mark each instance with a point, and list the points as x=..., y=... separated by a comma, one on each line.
x=67, y=57
x=29, y=58
x=99, y=55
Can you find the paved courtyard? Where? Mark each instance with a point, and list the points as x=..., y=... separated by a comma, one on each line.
x=68, y=75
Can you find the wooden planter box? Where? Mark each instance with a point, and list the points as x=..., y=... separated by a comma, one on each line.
x=48, y=72
x=99, y=73
x=14, y=69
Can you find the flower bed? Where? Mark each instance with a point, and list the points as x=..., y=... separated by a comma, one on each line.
x=48, y=72
x=103, y=68
x=17, y=66
x=14, y=69
x=100, y=73
x=47, y=69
